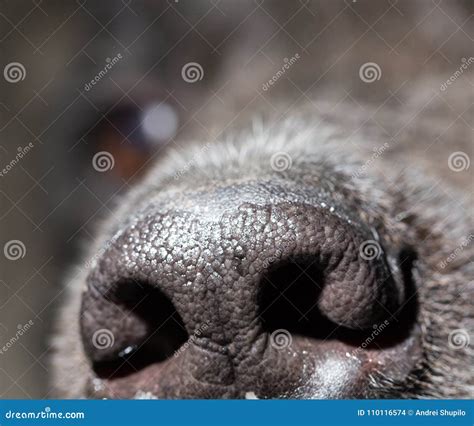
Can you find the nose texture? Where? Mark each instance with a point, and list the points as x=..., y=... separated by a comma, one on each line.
x=210, y=259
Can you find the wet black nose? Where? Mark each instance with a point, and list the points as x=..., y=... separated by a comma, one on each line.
x=206, y=291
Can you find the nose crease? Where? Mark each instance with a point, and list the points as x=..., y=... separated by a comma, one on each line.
x=212, y=366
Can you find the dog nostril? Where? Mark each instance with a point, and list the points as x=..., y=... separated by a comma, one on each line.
x=298, y=294
x=289, y=297
x=128, y=327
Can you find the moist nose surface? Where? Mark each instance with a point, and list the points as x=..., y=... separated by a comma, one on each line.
x=211, y=261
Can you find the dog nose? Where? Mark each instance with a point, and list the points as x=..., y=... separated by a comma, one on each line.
x=209, y=291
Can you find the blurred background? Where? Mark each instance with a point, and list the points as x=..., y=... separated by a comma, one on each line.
x=92, y=93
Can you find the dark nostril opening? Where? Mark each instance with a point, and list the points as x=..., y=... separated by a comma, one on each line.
x=146, y=327
x=289, y=298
